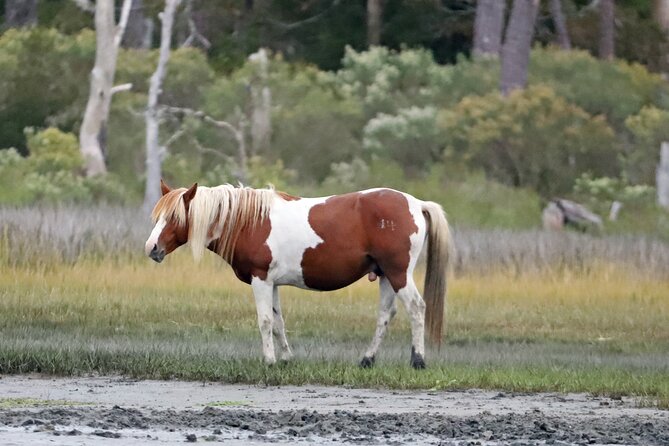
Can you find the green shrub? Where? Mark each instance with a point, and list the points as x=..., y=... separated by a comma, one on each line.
x=648, y=130
x=385, y=80
x=615, y=89
x=44, y=78
x=411, y=137
x=312, y=126
x=52, y=150
x=532, y=138
x=53, y=173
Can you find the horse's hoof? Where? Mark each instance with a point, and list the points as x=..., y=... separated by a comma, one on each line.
x=417, y=361
x=367, y=362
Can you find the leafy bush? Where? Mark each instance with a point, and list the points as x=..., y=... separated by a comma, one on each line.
x=312, y=126
x=648, y=130
x=31, y=60
x=51, y=150
x=532, y=138
x=411, y=137
x=53, y=173
x=386, y=81
x=601, y=192
x=616, y=89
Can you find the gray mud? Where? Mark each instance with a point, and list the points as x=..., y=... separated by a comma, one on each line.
x=114, y=411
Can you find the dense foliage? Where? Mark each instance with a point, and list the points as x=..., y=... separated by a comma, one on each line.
x=426, y=119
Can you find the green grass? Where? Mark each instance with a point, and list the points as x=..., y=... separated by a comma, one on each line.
x=20, y=403
x=601, y=330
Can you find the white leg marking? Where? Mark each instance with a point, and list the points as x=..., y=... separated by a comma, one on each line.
x=415, y=306
x=155, y=234
x=262, y=291
x=387, y=310
x=279, y=327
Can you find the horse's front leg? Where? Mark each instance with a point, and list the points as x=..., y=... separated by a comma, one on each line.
x=279, y=327
x=263, y=293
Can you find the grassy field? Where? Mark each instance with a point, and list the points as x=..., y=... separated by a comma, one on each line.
x=566, y=313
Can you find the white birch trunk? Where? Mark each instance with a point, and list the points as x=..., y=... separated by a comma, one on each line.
x=93, y=132
x=261, y=102
x=154, y=152
x=662, y=178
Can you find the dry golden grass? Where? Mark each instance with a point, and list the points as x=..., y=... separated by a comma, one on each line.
x=607, y=305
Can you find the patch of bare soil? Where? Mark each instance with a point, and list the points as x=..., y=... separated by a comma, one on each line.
x=117, y=411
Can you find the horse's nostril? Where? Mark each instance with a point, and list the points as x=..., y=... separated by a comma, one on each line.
x=157, y=255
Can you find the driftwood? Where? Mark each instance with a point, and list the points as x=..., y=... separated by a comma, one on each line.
x=560, y=213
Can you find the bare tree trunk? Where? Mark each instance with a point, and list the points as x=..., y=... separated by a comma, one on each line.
x=374, y=15
x=93, y=132
x=488, y=28
x=560, y=23
x=138, y=25
x=662, y=177
x=517, y=45
x=261, y=103
x=20, y=13
x=661, y=13
x=154, y=152
x=606, y=29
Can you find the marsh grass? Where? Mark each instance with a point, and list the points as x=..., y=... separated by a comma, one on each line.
x=527, y=311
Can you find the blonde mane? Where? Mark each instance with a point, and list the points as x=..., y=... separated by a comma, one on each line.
x=220, y=212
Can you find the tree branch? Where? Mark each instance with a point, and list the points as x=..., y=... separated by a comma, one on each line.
x=123, y=22
x=312, y=19
x=203, y=116
x=195, y=35
x=120, y=88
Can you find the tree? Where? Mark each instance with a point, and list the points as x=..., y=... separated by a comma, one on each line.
x=606, y=29
x=139, y=29
x=560, y=24
x=661, y=13
x=93, y=132
x=374, y=16
x=154, y=152
x=488, y=28
x=20, y=13
x=517, y=45
x=261, y=104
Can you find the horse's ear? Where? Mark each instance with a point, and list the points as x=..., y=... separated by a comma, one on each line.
x=189, y=194
x=164, y=188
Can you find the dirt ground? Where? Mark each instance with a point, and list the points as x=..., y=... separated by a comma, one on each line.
x=117, y=411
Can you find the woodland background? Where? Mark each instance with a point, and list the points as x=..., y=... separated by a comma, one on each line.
x=545, y=99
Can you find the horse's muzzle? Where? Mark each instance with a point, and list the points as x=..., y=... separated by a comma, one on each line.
x=157, y=254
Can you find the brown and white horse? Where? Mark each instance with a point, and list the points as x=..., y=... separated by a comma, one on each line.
x=271, y=239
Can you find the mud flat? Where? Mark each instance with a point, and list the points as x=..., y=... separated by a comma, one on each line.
x=116, y=411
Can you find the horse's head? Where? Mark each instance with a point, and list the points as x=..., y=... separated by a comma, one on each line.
x=170, y=219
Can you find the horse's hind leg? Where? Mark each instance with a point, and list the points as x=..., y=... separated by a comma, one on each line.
x=415, y=306
x=263, y=293
x=279, y=327
x=387, y=310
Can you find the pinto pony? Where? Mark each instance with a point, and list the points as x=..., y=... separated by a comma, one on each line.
x=271, y=239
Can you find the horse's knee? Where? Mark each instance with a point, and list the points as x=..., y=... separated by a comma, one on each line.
x=265, y=324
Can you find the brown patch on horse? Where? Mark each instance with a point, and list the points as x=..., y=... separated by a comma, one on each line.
x=362, y=233
x=287, y=197
x=252, y=256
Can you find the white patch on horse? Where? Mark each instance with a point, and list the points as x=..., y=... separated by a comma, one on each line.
x=155, y=234
x=409, y=295
x=290, y=236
